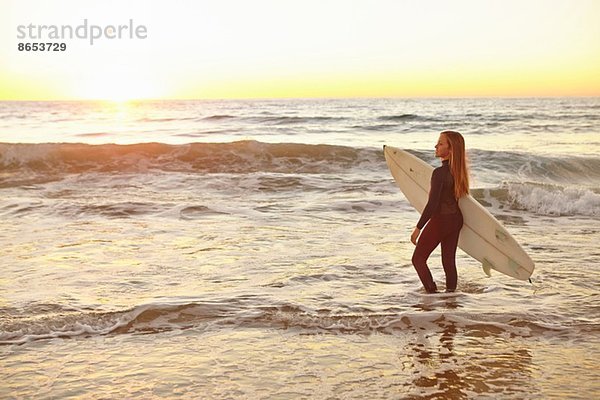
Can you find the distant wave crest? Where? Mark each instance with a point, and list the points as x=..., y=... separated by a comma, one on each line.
x=34, y=163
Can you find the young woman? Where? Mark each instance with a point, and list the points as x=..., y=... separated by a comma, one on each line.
x=441, y=214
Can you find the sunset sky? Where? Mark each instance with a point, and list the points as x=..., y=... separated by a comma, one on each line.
x=308, y=48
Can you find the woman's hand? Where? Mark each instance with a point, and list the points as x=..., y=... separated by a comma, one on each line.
x=415, y=235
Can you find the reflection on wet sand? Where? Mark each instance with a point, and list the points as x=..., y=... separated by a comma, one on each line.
x=454, y=362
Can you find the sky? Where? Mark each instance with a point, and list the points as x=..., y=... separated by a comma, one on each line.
x=306, y=48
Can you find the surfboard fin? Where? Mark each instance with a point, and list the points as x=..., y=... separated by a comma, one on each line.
x=487, y=267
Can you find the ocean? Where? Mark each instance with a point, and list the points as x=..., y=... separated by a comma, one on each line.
x=259, y=249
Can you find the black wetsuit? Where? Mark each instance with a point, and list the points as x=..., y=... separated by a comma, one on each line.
x=444, y=221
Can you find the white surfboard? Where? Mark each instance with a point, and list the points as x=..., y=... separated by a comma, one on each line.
x=482, y=236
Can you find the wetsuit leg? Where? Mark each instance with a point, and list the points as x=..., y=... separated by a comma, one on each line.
x=427, y=242
x=452, y=225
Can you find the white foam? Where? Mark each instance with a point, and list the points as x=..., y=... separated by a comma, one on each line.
x=22, y=154
x=555, y=200
x=69, y=326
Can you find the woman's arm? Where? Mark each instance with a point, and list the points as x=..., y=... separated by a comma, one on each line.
x=435, y=193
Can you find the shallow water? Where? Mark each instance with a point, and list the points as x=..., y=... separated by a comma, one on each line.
x=250, y=269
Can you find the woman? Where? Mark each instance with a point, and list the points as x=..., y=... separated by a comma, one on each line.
x=441, y=214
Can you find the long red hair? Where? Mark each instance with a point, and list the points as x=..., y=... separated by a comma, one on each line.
x=458, y=163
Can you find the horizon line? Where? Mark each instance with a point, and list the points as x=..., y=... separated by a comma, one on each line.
x=441, y=97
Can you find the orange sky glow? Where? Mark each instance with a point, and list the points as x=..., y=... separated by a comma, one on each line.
x=284, y=49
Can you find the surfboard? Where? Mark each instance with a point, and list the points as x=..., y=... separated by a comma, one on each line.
x=482, y=236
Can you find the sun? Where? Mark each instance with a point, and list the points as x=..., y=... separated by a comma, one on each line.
x=118, y=87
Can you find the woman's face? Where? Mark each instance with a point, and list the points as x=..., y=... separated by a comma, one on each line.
x=442, y=148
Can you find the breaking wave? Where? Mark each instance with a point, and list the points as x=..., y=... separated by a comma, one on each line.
x=62, y=322
x=33, y=163
x=554, y=200
x=541, y=199
x=544, y=185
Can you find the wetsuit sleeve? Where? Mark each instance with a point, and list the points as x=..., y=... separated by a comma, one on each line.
x=435, y=193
